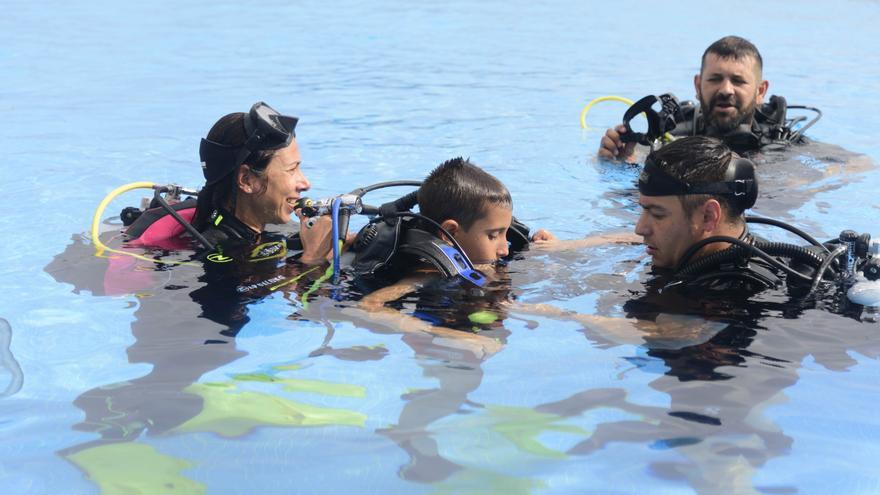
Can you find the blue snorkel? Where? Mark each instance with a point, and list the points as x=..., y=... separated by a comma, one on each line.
x=335, y=229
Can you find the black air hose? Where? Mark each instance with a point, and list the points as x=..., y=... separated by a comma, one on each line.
x=764, y=250
x=791, y=228
x=791, y=251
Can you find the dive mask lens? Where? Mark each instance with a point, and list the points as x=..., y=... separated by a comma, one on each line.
x=268, y=129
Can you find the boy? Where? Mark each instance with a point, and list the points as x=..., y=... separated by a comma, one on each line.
x=476, y=210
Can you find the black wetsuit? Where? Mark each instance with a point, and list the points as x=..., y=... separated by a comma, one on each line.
x=228, y=232
x=245, y=267
x=730, y=278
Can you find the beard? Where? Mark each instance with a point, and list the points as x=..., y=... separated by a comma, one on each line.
x=720, y=126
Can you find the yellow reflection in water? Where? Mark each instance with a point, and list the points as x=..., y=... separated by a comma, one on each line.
x=522, y=426
x=229, y=412
x=135, y=468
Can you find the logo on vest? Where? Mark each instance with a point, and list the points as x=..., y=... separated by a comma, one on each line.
x=218, y=258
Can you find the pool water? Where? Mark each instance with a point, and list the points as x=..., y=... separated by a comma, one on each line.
x=116, y=380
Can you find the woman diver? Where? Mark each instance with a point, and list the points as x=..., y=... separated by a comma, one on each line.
x=253, y=177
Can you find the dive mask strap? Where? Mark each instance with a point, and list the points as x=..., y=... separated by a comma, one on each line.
x=654, y=181
x=737, y=187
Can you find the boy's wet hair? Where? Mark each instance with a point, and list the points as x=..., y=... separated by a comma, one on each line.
x=460, y=191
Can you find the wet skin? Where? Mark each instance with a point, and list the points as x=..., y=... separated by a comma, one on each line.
x=486, y=240
x=729, y=90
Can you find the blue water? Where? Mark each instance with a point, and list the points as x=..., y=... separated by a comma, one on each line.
x=100, y=94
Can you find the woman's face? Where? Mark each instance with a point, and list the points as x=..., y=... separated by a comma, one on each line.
x=273, y=194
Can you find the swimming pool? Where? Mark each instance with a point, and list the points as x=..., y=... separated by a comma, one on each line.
x=119, y=391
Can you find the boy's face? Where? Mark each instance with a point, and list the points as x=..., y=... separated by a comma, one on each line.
x=486, y=241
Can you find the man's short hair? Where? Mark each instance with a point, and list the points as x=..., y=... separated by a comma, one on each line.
x=736, y=48
x=698, y=160
x=460, y=191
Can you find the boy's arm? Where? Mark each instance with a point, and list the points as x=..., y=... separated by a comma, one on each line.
x=669, y=330
x=372, y=308
x=376, y=300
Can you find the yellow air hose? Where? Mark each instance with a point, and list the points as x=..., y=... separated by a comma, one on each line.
x=100, y=247
x=666, y=137
x=600, y=99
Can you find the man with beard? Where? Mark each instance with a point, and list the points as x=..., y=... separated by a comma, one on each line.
x=729, y=88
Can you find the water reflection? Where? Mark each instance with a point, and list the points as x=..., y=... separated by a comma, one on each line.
x=183, y=339
x=186, y=338
x=8, y=361
x=453, y=361
x=719, y=385
x=719, y=389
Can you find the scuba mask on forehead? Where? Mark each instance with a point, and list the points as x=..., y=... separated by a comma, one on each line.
x=740, y=183
x=266, y=130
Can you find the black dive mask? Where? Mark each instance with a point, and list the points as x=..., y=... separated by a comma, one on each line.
x=266, y=130
x=740, y=183
x=659, y=122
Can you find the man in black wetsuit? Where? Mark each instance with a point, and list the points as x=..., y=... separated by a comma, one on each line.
x=731, y=90
x=691, y=191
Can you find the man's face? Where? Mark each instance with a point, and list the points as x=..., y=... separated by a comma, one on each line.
x=729, y=91
x=666, y=229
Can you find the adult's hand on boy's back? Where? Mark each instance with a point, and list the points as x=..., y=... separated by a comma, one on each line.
x=544, y=240
x=543, y=236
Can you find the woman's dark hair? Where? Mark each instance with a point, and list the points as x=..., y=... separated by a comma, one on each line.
x=461, y=191
x=228, y=130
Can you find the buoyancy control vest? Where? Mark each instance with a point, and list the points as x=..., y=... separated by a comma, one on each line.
x=390, y=247
x=770, y=126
